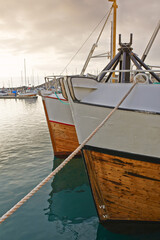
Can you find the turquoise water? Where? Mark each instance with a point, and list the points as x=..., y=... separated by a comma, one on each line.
x=63, y=208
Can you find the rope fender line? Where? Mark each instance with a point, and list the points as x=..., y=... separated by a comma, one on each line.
x=66, y=103
x=54, y=172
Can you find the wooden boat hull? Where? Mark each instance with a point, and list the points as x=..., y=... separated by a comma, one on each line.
x=123, y=157
x=125, y=186
x=61, y=128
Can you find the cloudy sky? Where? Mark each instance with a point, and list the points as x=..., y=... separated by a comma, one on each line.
x=48, y=33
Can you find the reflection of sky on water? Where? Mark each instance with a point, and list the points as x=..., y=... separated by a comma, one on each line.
x=63, y=208
x=16, y=125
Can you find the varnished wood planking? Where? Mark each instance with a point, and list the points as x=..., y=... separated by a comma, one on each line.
x=63, y=137
x=130, y=189
x=96, y=190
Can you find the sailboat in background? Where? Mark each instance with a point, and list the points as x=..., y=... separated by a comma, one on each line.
x=58, y=113
x=27, y=92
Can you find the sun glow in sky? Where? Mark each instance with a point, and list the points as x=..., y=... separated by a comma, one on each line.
x=47, y=34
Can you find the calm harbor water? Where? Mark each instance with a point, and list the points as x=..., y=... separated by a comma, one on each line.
x=63, y=208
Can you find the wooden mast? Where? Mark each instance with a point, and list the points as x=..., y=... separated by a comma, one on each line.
x=113, y=48
x=115, y=6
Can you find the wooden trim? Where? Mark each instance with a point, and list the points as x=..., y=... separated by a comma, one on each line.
x=61, y=81
x=71, y=87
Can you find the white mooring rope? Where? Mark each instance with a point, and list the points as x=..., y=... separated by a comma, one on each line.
x=31, y=193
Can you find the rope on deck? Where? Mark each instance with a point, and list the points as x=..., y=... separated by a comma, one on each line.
x=31, y=193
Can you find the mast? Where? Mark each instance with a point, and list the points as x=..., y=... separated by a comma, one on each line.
x=95, y=44
x=113, y=43
x=113, y=36
x=25, y=80
x=111, y=46
x=115, y=6
x=22, y=78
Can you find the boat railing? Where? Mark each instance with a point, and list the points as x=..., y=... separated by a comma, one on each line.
x=53, y=77
x=53, y=81
x=140, y=75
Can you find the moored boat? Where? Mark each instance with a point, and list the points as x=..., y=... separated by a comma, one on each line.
x=27, y=94
x=3, y=93
x=123, y=157
x=60, y=123
x=58, y=114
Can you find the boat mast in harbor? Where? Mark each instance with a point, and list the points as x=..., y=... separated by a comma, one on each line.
x=114, y=6
x=113, y=31
x=25, y=79
x=113, y=36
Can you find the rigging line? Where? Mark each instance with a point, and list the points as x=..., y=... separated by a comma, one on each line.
x=104, y=25
x=55, y=171
x=86, y=40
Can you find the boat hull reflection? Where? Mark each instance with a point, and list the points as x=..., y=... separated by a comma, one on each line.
x=70, y=199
